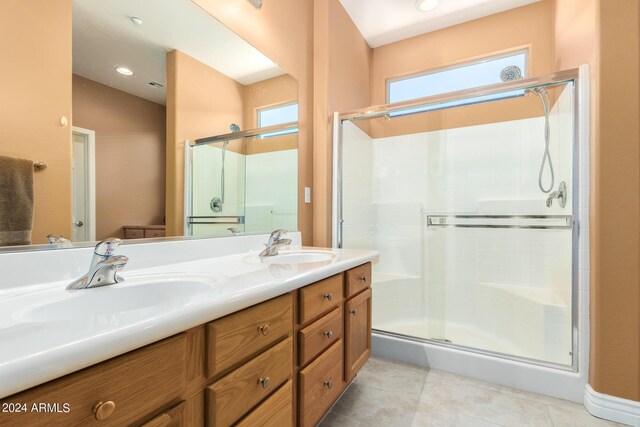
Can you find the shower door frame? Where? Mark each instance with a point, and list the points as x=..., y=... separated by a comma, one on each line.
x=567, y=76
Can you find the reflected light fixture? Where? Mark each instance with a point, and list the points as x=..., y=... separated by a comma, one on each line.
x=256, y=3
x=124, y=71
x=426, y=5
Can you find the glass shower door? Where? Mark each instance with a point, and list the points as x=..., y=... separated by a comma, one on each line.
x=475, y=237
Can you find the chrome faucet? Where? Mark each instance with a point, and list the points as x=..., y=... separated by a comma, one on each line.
x=104, y=266
x=57, y=239
x=274, y=243
x=561, y=195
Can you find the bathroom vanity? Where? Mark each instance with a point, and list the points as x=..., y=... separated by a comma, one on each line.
x=282, y=361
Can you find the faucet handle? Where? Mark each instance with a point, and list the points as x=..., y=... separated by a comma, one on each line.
x=57, y=238
x=107, y=247
x=276, y=234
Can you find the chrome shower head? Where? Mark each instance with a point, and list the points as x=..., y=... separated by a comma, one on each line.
x=512, y=72
x=234, y=128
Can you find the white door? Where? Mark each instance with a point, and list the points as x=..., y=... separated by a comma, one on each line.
x=83, y=187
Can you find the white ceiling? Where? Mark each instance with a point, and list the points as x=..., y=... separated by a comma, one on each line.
x=104, y=37
x=386, y=21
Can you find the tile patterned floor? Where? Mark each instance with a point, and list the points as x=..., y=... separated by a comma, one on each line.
x=387, y=393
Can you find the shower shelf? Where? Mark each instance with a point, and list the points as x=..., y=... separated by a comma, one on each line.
x=539, y=222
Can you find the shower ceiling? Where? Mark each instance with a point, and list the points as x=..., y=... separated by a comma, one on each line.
x=386, y=21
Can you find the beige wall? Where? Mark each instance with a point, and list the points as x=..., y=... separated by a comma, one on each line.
x=130, y=155
x=35, y=82
x=282, y=30
x=200, y=102
x=606, y=36
x=268, y=93
x=528, y=27
x=342, y=66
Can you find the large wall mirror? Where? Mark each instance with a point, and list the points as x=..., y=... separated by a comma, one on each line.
x=164, y=133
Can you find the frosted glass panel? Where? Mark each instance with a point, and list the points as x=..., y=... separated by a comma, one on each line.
x=477, y=278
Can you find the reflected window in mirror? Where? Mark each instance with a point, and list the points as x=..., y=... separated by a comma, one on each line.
x=278, y=115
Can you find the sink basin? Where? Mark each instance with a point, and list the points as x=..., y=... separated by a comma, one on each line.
x=299, y=257
x=140, y=297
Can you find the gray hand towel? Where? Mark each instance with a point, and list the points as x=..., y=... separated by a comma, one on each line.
x=16, y=201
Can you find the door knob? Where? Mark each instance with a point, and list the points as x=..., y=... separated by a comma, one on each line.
x=78, y=223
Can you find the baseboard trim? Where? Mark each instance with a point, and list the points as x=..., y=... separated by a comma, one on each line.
x=611, y=407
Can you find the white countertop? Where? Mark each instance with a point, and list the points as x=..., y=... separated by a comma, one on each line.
x=35, y=349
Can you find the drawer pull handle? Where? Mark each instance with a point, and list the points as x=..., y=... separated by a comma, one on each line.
x=103, y=410
x=363, y=278
x=329, y=334
x=264, y=329
x=329, y=296
x=353, y=311
x=328, y=384
x=264, y=382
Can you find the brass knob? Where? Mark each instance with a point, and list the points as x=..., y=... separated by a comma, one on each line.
x=264, y=382
x=328, y=383
x=328, y=296
x=264, y=329
x=103, y=410
x=353, y=311
x=329, y=334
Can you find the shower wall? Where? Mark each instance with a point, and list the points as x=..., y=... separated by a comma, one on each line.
x=260, y=187
x=207, y=166
x=271, y=189
x=507, y=287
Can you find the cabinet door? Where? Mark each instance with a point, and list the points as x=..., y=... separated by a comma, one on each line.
x=357, y=333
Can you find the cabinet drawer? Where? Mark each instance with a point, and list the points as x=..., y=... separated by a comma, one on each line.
x=174, y=417
x=357, y=279
x=148, y=233
x=320, y=297
x=233, y=395
x=358, y=333
x=320, y=385
x=319, y=335
x=239, y=335
x=135, y=384
x=133, y=233
x=276, y=411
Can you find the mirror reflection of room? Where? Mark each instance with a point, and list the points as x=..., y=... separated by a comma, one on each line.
x=141, y=81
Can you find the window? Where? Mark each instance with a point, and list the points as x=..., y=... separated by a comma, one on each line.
x=466, y=76
x=276, y=116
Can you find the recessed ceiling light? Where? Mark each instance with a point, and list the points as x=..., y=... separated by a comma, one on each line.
x=426, y=5
x=124, y=71
x=136, y=20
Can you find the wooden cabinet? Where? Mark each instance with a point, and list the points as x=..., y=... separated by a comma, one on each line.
x=247, y=332
x=239, y=391
x=117, y=392
x=143, y=231
x=320, y=297
x=278, y=363
x=320, y=385
x=358, y=333
x=174, y=417
x=357, y=279
x=319, y=335
x=276, y=411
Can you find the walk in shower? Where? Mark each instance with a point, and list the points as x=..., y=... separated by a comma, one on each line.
x=472, y=199
x=242, y=182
